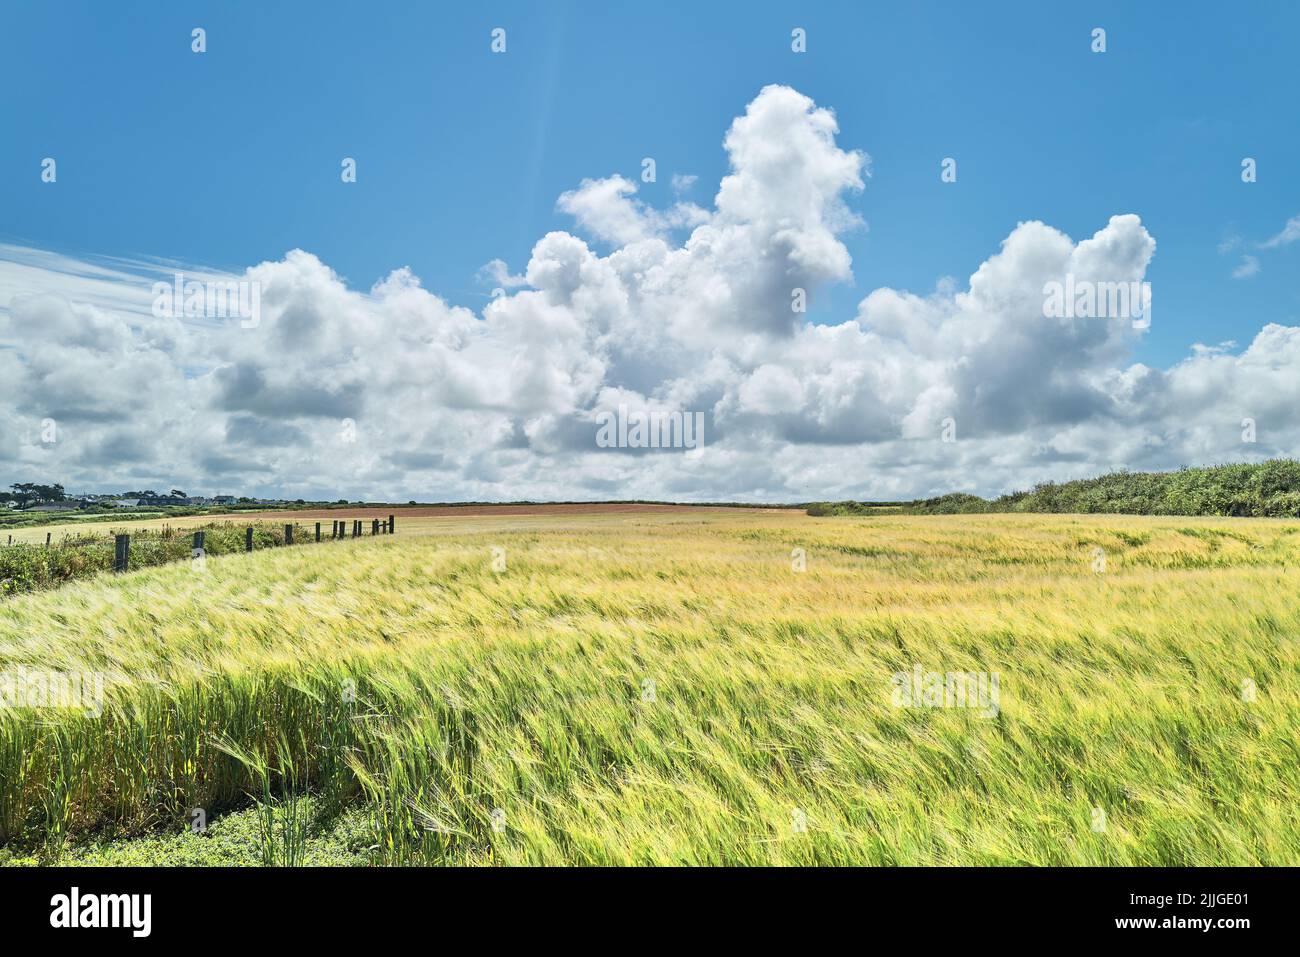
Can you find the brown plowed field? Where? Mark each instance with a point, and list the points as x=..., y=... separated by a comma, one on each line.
x=462, y=511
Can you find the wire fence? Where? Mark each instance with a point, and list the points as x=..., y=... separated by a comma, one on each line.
x=31, y=566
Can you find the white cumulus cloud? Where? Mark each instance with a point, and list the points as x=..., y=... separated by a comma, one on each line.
x=394, y=392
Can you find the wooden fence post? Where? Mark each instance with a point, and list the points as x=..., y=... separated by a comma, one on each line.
x=288, y=534
x=356, y=528
x=47, y=539
x=390, y=525
x=248, y=539
x=318, y=531
x=121, y=552
x=374, y=527
x=198, y=541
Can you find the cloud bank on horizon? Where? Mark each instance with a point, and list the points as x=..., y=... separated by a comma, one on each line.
x=395, y=393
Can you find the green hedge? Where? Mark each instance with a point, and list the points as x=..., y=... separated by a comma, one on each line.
x=1265, y=489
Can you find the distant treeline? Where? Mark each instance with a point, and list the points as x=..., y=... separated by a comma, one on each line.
x=857, y=508
x=1264, y=489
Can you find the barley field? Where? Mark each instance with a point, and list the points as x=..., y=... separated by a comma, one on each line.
x=680, y=686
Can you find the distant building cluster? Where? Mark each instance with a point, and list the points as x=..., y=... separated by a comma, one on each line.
x=73, y=503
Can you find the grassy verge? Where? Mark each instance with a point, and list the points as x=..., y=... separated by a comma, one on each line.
x=29, y=567
x=237, y=839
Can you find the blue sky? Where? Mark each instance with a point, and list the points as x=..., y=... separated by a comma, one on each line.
x=233, y=157
x=224, y=160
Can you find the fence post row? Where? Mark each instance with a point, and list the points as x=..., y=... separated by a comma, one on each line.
x=338, y=530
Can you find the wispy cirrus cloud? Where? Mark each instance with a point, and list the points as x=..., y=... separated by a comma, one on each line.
x=1249, y=266
x=1289, y=234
